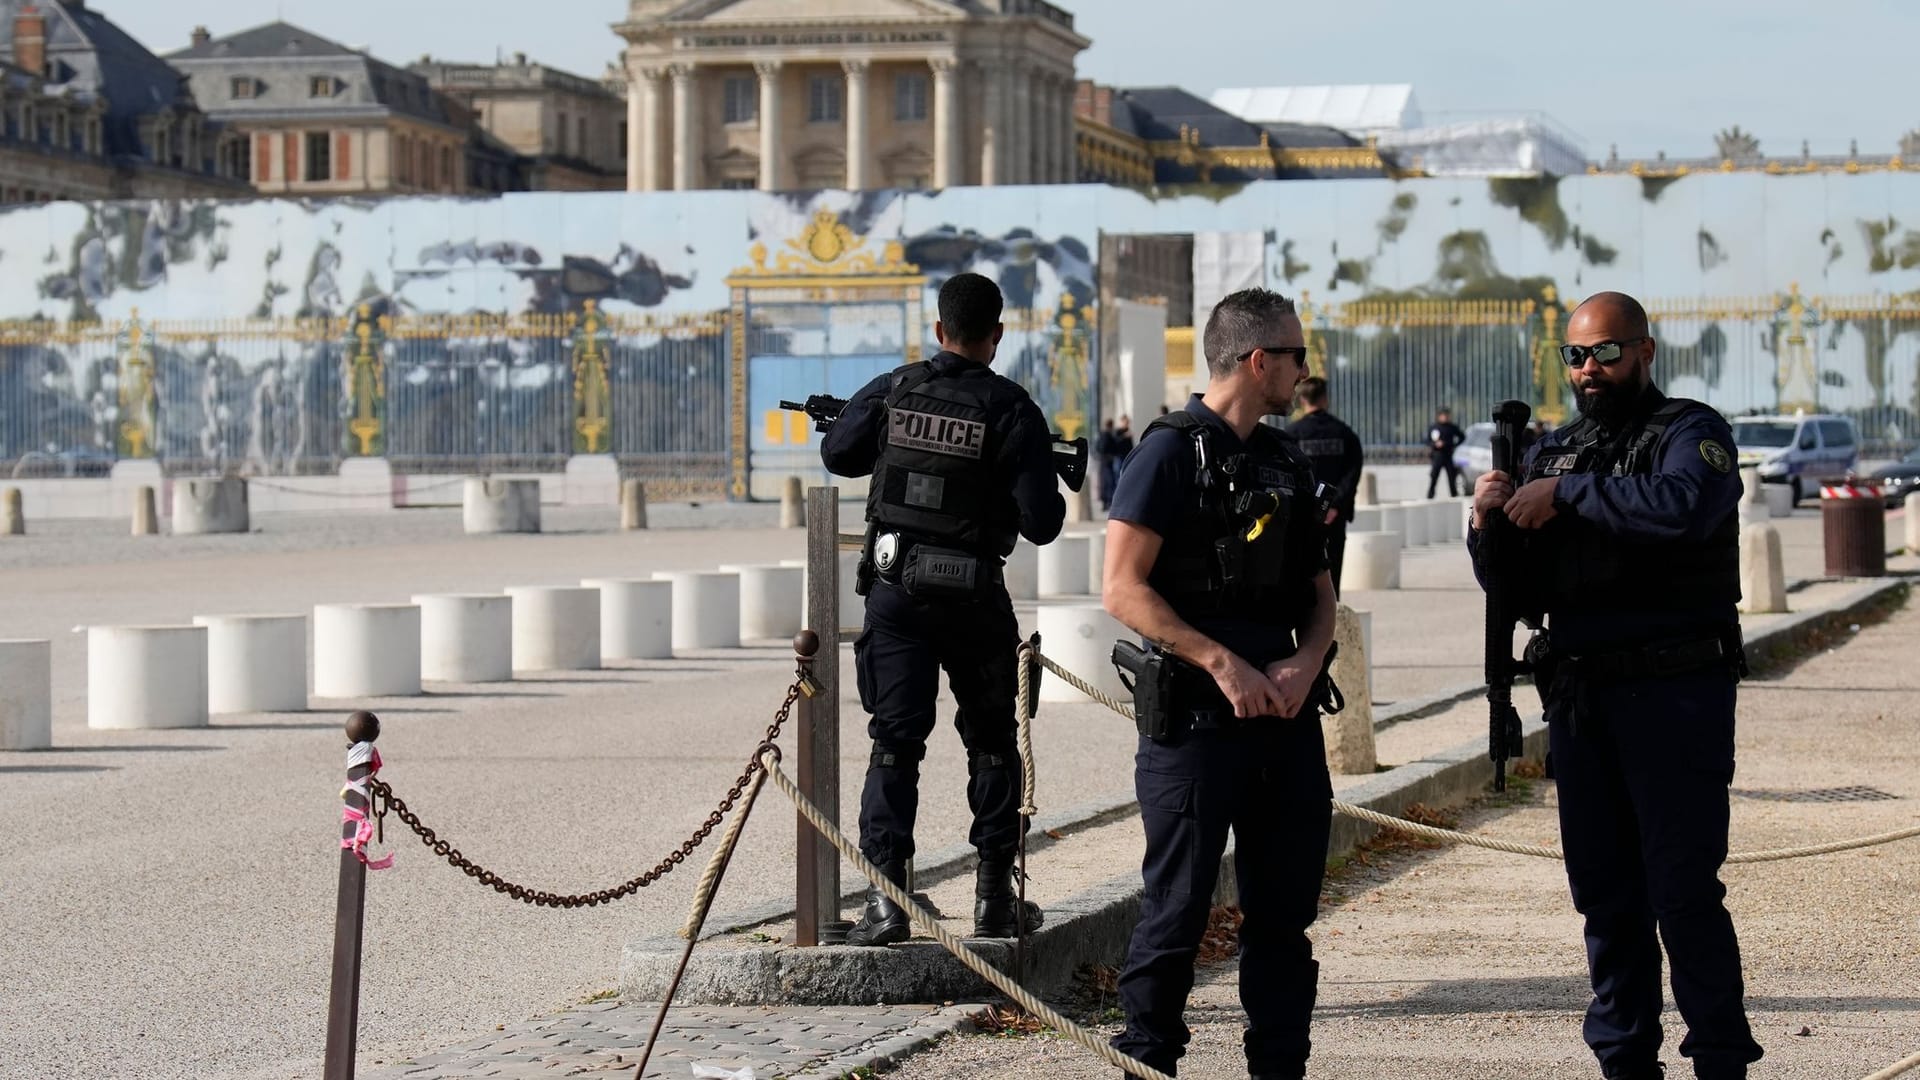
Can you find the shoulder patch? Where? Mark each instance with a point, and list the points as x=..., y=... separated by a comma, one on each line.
x=1716, y=456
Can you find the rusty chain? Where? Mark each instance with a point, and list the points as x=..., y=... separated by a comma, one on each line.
x=385, y=800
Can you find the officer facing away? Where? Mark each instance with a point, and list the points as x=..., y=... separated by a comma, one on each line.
x=1337, y=461
x=1631, y=526
x=962, y=465
x=1216, y=556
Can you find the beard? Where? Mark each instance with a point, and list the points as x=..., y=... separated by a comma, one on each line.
x=1609, y=405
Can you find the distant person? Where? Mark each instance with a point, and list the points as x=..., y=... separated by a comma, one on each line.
x=1337, y=459
x=1116, y=442
x=1443, y=438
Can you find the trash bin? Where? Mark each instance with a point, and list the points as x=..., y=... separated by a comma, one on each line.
x=1853, y=523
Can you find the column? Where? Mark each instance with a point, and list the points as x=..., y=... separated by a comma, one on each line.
x=770, y=128
x=993, y=125
x=1020, y=128
x=686, y=148
x=638, y=93
x=1070, y=142
x=857, y=120
x=1049, y=128
x=946, y=124
x=648, y=131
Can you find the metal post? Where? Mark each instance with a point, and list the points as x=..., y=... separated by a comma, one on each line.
x=817, y=755
x=343, y=1001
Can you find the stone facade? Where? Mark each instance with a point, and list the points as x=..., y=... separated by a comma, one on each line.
x=323, y=119
x=570, y=130
x=856, y=94
x=88, y=113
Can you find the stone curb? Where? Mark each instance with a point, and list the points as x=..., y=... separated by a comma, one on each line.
x=897, y=1048
x=1093, y=926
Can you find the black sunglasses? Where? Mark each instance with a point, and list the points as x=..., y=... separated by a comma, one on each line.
x=1298, y=352
x=1606, y=353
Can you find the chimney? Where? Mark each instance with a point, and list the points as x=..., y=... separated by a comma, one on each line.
x=1103, y=105
x=200, y=36
x=30, y=40
x=519, y=59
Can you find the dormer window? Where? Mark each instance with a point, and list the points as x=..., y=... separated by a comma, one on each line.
x=245, y=87
x=322, y=86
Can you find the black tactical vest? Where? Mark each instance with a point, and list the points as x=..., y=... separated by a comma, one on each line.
x=1578, y=568
x=1239, y=551
x=934, y=481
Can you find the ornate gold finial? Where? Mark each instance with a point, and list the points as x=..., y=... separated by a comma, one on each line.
x=1550, y=294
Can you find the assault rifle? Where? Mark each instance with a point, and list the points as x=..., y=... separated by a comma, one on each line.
x=1499, y=548
x=1069, y=455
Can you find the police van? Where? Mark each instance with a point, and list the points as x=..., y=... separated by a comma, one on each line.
x=1799, y=450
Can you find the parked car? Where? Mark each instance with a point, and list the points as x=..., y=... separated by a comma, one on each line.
x=1899, y=479
x=1798, y=451
x=1474, y=455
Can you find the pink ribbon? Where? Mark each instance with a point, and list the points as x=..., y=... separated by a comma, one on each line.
x=363, y=826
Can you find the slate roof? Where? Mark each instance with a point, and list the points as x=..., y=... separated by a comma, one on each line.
x=87, y=52
x=276, y=43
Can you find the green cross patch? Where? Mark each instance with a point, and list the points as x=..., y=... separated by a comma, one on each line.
x=1716, y=456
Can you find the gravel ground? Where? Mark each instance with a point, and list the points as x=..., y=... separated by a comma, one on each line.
x=1465, y=963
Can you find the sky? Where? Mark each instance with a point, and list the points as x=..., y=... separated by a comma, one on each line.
x=1642, y=75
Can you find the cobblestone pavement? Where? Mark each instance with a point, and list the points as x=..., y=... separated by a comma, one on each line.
x=606, y=1039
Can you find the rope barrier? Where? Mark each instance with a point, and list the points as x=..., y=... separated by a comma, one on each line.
x=1387, y=821
x=945, y=937
x=1904, y=1065
x=1023, y=659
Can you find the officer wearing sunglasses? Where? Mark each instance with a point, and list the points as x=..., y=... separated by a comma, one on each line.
x=1629, y=515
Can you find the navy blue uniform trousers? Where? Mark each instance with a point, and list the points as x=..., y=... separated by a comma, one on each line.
x=898, y=658
x=1643, y=769
x=1266, y=781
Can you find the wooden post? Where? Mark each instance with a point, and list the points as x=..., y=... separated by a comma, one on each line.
x=349, y=918
x=817, y=753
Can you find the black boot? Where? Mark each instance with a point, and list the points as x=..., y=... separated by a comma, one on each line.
x=882, y=923
x=1654, y=1071
x=996, y=905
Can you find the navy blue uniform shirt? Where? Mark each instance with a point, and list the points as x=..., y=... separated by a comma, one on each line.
x=1684, y=499
x=1024, y=465
x=1156, y=491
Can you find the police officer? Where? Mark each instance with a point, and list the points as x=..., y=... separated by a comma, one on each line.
x=1443, y=438
x=1337, y=460
x=1216, y=557
x=962, y=465
x=1629, y=515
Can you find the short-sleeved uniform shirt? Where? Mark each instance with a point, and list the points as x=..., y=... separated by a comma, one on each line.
x=1156, y=491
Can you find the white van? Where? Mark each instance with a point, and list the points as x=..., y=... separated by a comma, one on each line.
x=1799, y=451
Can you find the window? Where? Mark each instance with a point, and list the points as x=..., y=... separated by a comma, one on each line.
x=319, y=156
x=823, y=99
x=1836, y=434
x=563, y=134
x=737, y=183
x=245, y=87
x=446, y=166
x=402, y=160
x=321, y=86
x=584, y=148
x=910, y=97
x=743, y=99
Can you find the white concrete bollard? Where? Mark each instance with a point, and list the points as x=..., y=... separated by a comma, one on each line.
x=636, y=618
x=1369, y=493
x=1365, y=519
x=466, y=637
x=206, y=505
x=1096, y=563
x=366, y=650
x=145, y=677
x=255, y=663
x=556, y=627
x=1022, y=571
x=26, y=695
x=1393, y=519
x=13, y=516
x=1063, y=567
x=1753, y=498
x=773, y=600
x=1444, y=521
x=1763, y=577
x=793, y=504
x=633, y=505
x=1414, y=518
x=501, y=506
x=706, y=607
x=1080, y=637
x=1372, y=562
x=146, y=514
x=1913, y=523
x=1349, y=733
x=1779, y=500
